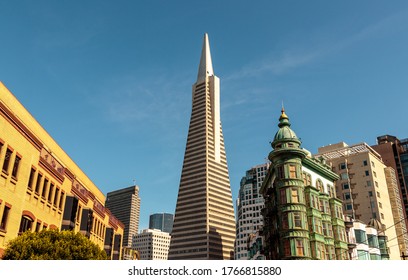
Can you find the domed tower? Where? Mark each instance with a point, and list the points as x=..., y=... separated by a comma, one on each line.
x=285, y=214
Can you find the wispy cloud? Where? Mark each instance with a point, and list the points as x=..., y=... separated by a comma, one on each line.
x=293, y=57
x=136, y=101
x=275, y=64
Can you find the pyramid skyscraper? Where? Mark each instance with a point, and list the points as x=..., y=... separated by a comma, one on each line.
x=204, y=223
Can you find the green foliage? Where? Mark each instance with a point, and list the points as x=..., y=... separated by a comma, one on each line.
x=53, y=245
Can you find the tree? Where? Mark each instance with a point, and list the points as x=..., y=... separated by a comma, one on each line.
x=53, y=245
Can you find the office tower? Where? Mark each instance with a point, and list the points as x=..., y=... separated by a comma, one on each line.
x=303, y=219
x=363, y=187
x=125, y=205
x=204, y=222
x=161, y=221
x=394, y=153
x=41, y=187
x=152, y=244
x=249, y=205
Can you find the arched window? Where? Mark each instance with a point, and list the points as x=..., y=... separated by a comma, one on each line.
x=25, y=224
x=319, y=185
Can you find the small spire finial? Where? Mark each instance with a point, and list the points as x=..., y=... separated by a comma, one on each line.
x=283, y=115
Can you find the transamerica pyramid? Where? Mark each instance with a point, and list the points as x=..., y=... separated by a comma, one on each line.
x=204, y=222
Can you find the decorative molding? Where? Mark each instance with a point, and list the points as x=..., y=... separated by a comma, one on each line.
x=20, y=126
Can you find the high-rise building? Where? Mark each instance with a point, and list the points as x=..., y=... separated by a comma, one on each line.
x=41, y=187
x=364, y=189
x=303, y=218
x=204, y=222
x=125, y=205
x=249, y=205
x=394, y=153
x=152, y=244
x=161, y=221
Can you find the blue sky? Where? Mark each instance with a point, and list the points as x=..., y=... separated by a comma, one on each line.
x=111, y=80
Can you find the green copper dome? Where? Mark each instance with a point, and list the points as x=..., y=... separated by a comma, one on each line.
x=285, y=133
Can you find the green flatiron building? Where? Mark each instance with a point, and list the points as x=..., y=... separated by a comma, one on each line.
x=303, y=219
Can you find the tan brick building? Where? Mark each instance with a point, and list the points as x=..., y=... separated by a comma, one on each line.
x=42, y=187
x=364, y=189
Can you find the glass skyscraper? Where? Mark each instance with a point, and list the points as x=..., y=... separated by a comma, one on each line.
x=162, y=221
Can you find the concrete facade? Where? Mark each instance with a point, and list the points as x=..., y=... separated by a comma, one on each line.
x=363, y=187
x=152, y=244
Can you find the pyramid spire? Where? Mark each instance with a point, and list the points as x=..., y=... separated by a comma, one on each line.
x=205, y=69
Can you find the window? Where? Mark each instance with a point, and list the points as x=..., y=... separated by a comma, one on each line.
x=31, y=179
x=345, y=186
x=349, y=206
x=4, y=218
x=370, y=193
x=361, y=236
x=50, y=192
x=338, y=211
x=319, y=185
x=331, y=190
x=343, y=176
x=367, y=173
x=56, y=197
x=318, y=225
x=297, y=220
x=286, y=247
x=322, y=249
x=368, y=183
x=346, y=196
x=38, y=184
x=25, y=224
x=365, y=163
x=45, y=188
x=292, y=171
x=314, y=201
x=295, y=195
x=38, y=226
x=321, y=205
x=281, y=172
x=7, y=160
x=300, y=249
x=283, y=196
x=342, y=166
x=325, y=231
x=15, y=166
x=61, y=200
x=285, y=224
x=363, y=255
